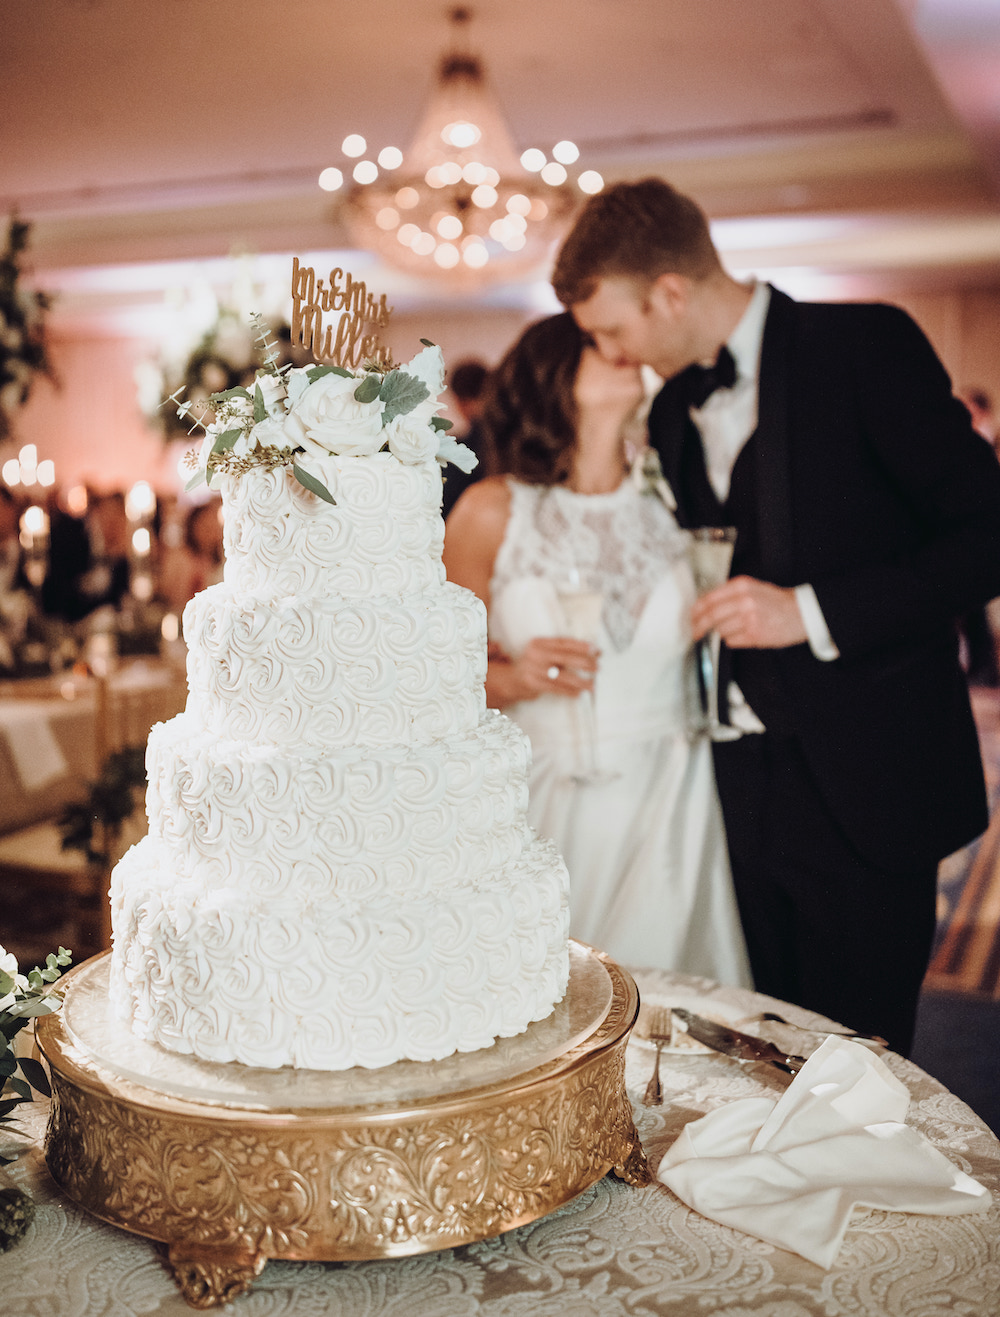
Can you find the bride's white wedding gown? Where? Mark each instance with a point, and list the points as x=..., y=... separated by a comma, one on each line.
x=646, y=853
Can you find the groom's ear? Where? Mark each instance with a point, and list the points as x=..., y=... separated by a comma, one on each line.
x=669, y=293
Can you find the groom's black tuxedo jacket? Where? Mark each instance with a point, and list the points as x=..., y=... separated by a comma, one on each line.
x=868, y=482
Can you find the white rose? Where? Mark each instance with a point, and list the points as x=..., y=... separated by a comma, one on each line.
x=273, y=391
x=411, y=440
x=329, y=419
x=460, y=455
x=428, y=367
x=268, y=433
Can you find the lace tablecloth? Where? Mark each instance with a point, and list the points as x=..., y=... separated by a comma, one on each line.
x=615, y=1251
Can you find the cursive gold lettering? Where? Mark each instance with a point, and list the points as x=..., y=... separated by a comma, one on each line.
x=348, y=346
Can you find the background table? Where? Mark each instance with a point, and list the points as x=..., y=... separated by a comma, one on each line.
x=615, y=1251
x=50, y=744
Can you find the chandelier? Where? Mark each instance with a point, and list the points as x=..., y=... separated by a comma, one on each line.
x=461, y=203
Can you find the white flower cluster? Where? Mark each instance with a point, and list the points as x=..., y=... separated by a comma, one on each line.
x=317, y=411
x=10, y=979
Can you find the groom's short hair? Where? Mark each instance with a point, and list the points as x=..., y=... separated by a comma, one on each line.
x=635, y=230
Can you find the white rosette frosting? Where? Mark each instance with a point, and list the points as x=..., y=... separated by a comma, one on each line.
x=338, y=870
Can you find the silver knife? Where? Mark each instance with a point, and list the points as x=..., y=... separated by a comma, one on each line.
x=742, y=1046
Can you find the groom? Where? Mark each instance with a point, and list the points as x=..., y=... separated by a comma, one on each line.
x=868, y=519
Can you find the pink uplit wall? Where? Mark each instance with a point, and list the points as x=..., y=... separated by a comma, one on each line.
x=91, y=425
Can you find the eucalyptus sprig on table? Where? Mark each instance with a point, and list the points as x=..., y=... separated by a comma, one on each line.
x=22, y=999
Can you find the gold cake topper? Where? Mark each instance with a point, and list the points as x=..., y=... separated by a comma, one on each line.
x=340, y=344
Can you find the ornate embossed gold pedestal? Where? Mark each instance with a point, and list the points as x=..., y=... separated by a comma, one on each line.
x=230, y=1166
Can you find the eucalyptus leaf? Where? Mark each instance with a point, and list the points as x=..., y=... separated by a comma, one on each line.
x=400, y=393
x=315, y=373
x=440, y=423
x=427, y=343
x=34, y=1073
x=238, y=392
x=21, y=1087
x=312, y=484
x=259, y=406
x=225, y=441
x=6, y=983
x=8, y=1064
x=369, y=389
x=198, y=477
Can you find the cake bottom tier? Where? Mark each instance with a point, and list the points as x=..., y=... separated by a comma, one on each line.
x=284, y=982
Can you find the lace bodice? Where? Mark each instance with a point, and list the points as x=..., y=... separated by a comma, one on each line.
x=620, y=543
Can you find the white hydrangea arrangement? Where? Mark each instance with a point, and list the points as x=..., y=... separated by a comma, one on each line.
x=294, y=415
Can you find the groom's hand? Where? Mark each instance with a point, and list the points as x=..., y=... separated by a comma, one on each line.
x=750, y=614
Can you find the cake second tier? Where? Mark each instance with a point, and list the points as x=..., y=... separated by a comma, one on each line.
x=331, y=671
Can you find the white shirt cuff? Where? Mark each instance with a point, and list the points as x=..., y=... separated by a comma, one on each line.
x=820, y=641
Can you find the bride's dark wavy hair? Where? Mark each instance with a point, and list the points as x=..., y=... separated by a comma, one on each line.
x=529, y=413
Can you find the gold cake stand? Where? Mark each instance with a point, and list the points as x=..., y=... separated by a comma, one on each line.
x=230, y=1166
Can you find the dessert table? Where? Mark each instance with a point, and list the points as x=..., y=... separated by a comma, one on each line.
x=50, y=734
x=616, y=1250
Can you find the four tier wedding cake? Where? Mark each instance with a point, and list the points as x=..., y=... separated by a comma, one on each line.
x=338, y=870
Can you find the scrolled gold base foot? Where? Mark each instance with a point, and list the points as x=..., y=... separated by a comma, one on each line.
x=634, y=1169
x=210, y=1277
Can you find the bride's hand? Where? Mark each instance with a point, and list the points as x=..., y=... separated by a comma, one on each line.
x=550, y=665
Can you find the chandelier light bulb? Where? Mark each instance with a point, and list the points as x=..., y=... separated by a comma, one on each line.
x=566, y=152
x=331, y=179
x=484, y=196
x=449, y=227
x=424, y=243
x=365, y=171
x=354, y=145
x=447, y=256
x=461, y=134
x=11, y=472
x=434, y=177
x=47, y=472
x=407, y=233
x=590, y=182
x=533, y=160
x=518, y=204
x=387, y=218
x=475, y=255
x=407, y=198
x=390, y=157
x=554, y=173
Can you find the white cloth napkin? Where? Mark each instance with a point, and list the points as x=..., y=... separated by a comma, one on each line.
x=37, y=754
x=791, y=1171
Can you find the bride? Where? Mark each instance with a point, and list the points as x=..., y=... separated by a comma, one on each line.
x=615, y=782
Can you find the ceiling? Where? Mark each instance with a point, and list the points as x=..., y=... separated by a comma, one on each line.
x=846, y=141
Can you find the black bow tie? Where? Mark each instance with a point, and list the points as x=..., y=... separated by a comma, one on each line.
x=698, y=383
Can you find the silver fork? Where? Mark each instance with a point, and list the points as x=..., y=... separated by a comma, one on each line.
x=657, y=1023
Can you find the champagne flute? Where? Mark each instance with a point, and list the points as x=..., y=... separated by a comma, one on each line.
x=581, y=611
x=711, y=553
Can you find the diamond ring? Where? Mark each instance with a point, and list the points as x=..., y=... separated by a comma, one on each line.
x=552, y=673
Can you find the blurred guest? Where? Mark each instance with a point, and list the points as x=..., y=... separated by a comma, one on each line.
x=88, y=559
x=467, y=383
x=197, y=562
x=617, y=784
x=15, y=591
x=980, y=407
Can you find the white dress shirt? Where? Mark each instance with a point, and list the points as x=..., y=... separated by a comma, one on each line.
x=725, y=422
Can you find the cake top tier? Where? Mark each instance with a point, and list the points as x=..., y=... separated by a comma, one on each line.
x=298, y=417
